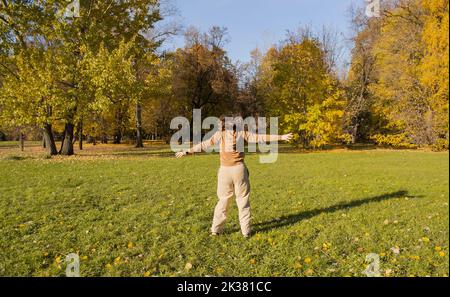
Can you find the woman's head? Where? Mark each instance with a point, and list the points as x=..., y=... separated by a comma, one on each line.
x=230, y=122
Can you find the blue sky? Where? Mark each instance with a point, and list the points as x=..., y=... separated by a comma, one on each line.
x=261, y=23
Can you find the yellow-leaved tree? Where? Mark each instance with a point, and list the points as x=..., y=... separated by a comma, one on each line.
x=303, y=93
x=434, y=69
x=408, y=83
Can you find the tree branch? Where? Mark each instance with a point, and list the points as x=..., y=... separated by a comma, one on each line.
x=9, y=70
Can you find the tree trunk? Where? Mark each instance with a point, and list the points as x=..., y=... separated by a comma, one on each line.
x=91, y=140
x=49, y=140
x=21, y=141
x=118, y=126
x=62, y=141
x=43, y=142
x=117, y=136
x=139, y=141
x=91, y=137
x=80, y=135
x=67, y=147
x=355, y=133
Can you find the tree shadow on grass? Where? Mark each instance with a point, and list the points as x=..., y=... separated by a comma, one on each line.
x=15, y=158
x=295, y=218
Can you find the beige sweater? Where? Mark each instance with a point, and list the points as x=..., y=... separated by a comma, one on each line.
x=228, y=139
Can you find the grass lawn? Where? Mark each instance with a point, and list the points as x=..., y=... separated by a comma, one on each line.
x=315, y=214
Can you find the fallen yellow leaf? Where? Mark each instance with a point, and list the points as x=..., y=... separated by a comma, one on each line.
x=414, y=257
x=117, y=260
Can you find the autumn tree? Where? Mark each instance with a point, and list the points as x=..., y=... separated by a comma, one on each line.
x=303, y=92
x=398, y=80
x=72, y=38
x=360, y=121
x=251, y=100
x=159, y=105
x=29, y=96
x=28, y=76
x=434, y=68
x=203, y=76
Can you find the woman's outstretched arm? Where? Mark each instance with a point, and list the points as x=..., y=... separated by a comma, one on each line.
x=201, y=146
x=256, y=138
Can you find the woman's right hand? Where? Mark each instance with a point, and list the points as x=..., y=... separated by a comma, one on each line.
x=180, y=155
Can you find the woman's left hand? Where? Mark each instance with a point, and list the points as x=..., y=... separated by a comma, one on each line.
x=287, y=137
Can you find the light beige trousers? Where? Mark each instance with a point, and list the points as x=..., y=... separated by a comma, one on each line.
x=233, y=181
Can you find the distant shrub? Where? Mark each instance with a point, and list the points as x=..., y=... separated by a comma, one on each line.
x=440, y=145
x=346, y=138
x=400, y=141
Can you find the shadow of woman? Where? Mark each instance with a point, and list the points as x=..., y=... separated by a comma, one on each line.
x=295, y=218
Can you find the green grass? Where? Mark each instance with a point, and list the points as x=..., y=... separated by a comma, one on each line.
x=317, y=214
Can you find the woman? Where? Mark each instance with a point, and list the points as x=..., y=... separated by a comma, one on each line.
x=233, y=176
